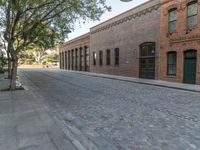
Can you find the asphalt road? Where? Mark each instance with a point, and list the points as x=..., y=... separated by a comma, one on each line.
x=128, y=115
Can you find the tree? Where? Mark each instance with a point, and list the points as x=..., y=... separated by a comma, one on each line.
x=23, y=22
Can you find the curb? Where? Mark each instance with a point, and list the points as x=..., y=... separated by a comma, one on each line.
x=138, y=82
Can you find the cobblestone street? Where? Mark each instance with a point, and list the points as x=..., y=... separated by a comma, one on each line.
x=130, y=116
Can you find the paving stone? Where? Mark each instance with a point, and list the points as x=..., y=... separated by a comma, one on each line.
x=126, y=114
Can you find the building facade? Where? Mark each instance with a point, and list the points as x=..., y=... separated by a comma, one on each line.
x=128, y=44
x=159, y=39
x=74, y=54
x=180, y=41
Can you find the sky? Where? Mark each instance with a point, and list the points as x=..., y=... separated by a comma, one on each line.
x=118, y=7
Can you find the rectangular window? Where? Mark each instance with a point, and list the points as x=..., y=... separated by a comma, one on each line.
x=60, y=60
x=192, y=15
x=107, y=57
x=80, y=58
x=76, y=62
x=171, y=63
x=116, y=56
x=172, y=20
x=94, y=58
x=72, y=52
x=100, y=58
x=69, y=61
x=65, y=59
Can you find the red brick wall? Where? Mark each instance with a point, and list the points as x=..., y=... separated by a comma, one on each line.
x=181, y=40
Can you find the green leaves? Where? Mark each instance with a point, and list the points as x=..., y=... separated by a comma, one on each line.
x=45, y=21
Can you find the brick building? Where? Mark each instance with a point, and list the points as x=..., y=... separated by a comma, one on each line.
x=74, y=54
x=159, y=39
x=180, y=41
x=127, y=44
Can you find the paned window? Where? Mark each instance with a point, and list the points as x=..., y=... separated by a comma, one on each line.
x=192, y=14
x=147, y=50
x=171, y=63
x=172, y=20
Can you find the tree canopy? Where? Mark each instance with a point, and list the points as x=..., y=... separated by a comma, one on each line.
x=24, y=22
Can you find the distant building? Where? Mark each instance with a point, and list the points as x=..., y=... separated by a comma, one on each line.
x=74, y=54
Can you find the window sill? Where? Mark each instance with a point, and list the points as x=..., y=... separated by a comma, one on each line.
x=171, y=76
x=169, y=34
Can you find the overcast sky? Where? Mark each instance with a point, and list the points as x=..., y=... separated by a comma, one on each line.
x=118, y=7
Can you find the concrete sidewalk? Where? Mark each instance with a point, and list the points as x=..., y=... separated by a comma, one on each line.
x=179, y=86
x=25, y=123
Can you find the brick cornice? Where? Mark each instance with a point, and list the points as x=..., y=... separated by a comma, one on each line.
x=127, y=18
x=181, y=39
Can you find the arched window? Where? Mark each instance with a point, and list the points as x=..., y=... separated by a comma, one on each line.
x=172, y=20
x=147, y=49
x=171, y=63
x=192, y=11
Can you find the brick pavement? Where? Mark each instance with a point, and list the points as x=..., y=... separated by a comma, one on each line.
x=127, y=114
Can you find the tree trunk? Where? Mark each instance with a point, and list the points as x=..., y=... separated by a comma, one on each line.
x=9, y=68
x=14, y=73
x=9, y=65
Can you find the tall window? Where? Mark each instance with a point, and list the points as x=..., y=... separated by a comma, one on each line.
x=107, y=57
x=192, y=14
x=80, y=58
x=172, y=20
x=76, y=61
x=94, y=58
x=69, y=61
x=100, y=58
x=72, y=52
x=116, y=56
x=171, y=63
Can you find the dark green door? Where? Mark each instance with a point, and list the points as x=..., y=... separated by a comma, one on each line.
x=190, y=67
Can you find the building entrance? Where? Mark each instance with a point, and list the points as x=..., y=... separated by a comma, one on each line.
x=147, y=60
x=190, y=66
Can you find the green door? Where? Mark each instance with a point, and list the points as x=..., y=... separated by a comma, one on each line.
x=190, y=67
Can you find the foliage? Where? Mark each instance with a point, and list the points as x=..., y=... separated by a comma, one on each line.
x=26, y=22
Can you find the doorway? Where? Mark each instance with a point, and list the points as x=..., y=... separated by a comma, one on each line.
x=147, y=60
x=190, y=57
